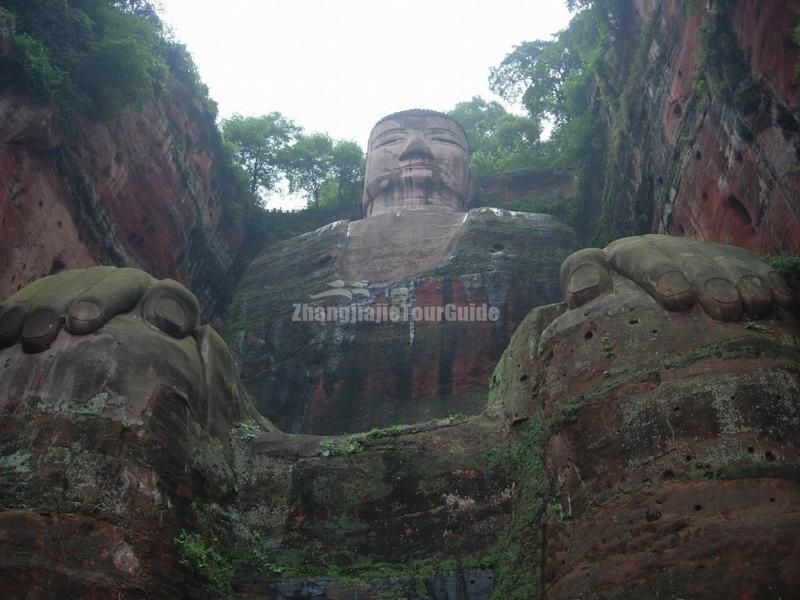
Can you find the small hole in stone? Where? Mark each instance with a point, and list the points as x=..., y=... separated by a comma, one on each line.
x=772, y=499
x=738, y=157
x=698, y=155
x=588, y=335
x=677, y=409
x=688, y=458
x=677, y=109
x=652, y=516
x=57, y=266
x=654, y=331
x=750, y=449
x=769, y=455
x=633, y=321
x=497, y=247
x=660, y=181
x=698, y=507
x=523, y=378
x=705, y=195
x=680, y=73
x=41, y=204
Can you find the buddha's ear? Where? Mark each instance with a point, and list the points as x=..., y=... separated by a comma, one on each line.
x=472, y=192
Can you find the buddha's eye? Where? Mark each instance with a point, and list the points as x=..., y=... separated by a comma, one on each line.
x=443, y=140
x=388, y=142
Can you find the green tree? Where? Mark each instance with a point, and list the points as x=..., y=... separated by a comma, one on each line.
x=479, y=119
x=95, y=56
x=535, y=72
x=309, y=164
x=260, y=147
x=347, y=160
x=581, y=81
x=502, y=144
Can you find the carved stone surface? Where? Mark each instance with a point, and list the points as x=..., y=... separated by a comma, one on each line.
x=336, y=377
x=417, y=159
x=628, y=450
x=416, y=250
x=668, y=444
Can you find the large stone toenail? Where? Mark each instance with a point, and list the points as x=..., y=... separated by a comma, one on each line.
x=583, y=278
x=11, y=326
x=672, y=283
x=40, y=329
x=756, y=287
x=169, y=316
x=85, y=310
x=721, y=290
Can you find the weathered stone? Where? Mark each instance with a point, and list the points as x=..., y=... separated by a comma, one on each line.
x=699, y=164
x=417, y=159
x=668, y=447
x=147, y=188
x=624, y=441
x=329, y=378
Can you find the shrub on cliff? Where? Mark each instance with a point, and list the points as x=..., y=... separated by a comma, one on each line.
x=36, y=69
x=95, y=56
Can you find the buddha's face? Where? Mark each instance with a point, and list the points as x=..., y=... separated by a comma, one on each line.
x=417, y=162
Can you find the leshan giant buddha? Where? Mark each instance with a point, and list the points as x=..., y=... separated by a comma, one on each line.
x=653, y=450
x=418, y=247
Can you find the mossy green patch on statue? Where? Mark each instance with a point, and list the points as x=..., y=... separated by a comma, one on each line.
x=94, y=406
x=204, y=560
x=521, y=243
x=18, y=462
x=512, y=383
x=518, y=553
x=210, y=458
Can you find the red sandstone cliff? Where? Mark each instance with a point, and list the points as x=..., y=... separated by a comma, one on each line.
x=145, y=188
x=699, y=162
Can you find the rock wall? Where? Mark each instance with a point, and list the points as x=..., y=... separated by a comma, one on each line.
x=509, y=192
x=146, y=188
x=664, y=452
x=695, y=160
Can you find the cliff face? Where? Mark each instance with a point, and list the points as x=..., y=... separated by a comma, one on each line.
x=143, y=189
x=667, y=447
x=712, y=147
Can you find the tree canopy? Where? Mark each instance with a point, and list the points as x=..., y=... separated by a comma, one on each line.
x=96, y=56
x=502, y=144
x=260, y=147
x=271, y=149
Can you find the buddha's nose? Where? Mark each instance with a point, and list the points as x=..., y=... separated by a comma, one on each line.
x=416, y=148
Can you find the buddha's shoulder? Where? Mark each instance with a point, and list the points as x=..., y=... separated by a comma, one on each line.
x=501, y=219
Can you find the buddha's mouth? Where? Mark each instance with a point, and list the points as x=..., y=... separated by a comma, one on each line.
x=416, y=162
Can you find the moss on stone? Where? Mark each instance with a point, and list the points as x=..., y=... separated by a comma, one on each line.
x=18, y=462
x=518, y=554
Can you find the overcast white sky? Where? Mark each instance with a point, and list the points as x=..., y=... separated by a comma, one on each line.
x=337, y=66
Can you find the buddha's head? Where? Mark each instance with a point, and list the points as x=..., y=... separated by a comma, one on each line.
x=417, y=159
